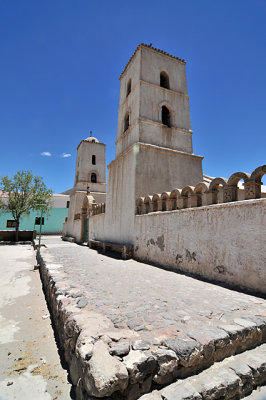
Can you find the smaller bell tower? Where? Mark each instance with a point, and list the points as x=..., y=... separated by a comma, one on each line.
x=89, y=187
x=90, y=165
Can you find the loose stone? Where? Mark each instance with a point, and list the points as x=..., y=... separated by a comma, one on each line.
x=82, y=303
x=120, y=349
x=140, y=345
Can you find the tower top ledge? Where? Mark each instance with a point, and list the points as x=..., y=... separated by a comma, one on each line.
x=146, y=46
x=90, y=139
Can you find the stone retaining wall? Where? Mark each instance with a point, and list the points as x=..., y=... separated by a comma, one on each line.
x=223, y=242
x=110, y=363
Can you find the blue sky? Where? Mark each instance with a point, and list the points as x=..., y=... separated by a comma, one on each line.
x=60, y=62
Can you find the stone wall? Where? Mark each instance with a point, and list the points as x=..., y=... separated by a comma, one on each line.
x=222, y=242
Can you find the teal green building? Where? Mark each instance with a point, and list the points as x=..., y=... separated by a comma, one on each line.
x=52, y=222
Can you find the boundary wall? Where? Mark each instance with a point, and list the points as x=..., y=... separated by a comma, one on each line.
x=222, y=242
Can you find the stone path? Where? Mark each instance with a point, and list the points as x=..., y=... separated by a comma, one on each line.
x=232, y=378
x=159, y=324
x=30, y=366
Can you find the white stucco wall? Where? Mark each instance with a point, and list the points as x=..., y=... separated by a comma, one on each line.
x=224, y=242
x=118, y=226
x=153, y=97
x=60, y=200
x=160, y=169
x=152, y=63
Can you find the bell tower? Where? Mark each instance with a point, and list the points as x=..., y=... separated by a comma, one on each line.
x=90, y=166
x=154, y=138
x=154, y=104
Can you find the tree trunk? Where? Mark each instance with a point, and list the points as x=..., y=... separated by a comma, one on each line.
x=17, y=229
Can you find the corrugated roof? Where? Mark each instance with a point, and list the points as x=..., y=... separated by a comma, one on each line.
x=153, y=48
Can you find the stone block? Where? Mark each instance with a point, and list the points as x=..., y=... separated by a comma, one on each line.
x=105, y=374
x=186, y=349
x=181, y=391
x=139, y=365
x=167, y=361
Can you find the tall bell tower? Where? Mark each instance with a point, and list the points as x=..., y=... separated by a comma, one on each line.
x=154, y=138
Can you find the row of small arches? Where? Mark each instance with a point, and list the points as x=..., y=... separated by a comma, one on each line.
x=98, y=208
x=219, y=190
x=164, y=82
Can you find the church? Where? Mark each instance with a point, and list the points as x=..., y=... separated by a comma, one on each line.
x=158, y=206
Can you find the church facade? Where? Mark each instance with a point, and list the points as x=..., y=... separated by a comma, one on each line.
x=159, y=206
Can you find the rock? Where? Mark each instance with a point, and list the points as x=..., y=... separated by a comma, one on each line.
x=168, y=363
x=117, y=335
x=135, y=323
x=211, y=339
x=218, y=336
x=82, y=302
x=186, y=349
x=120, y=349
x=244, y=322
x=139, y=328
x=139, y=364
x=244, y=372
x=234, y=331
x=217, y=383
x=84, y=351
x=181, y=391
x=105, y=374
x=155, y=395
x=140, y=345
x=256, y=360
x=106, y=339
x=76, y=295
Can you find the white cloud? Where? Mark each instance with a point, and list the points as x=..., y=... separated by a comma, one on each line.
x=46, y=154
x=65, y=155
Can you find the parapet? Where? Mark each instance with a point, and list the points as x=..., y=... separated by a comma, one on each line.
x=219, y=190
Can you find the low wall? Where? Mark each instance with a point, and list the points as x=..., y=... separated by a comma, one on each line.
x=96, y=226
x=223, y=242
x=10, y=236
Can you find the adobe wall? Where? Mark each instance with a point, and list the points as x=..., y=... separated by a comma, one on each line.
x=222, y=242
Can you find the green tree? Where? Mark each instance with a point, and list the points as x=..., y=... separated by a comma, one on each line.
x=22, y=193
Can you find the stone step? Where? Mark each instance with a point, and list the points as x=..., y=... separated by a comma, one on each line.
x=232, y=378
x=110, y=361
x=258, y=394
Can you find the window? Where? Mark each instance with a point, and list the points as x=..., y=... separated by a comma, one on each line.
x=126, y=122
x=166, y=116
x=38, y=221
x=128, y=87
x=67, y=204
x=93, y=141
x=93, y=160
x=11, y=223
x=164, y=80
x=93, y=178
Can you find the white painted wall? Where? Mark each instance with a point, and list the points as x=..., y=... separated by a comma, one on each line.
x=60, y=200
x=224, y=242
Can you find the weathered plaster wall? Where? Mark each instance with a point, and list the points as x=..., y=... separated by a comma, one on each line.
x=153, y=62
x=120, y=202
x=160, y=169
x=151, y=98
x=223, y=242
x=96, y=226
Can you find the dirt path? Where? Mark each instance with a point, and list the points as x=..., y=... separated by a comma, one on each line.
x=30, y=366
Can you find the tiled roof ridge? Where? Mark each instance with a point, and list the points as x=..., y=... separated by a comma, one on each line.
x=153, y=48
